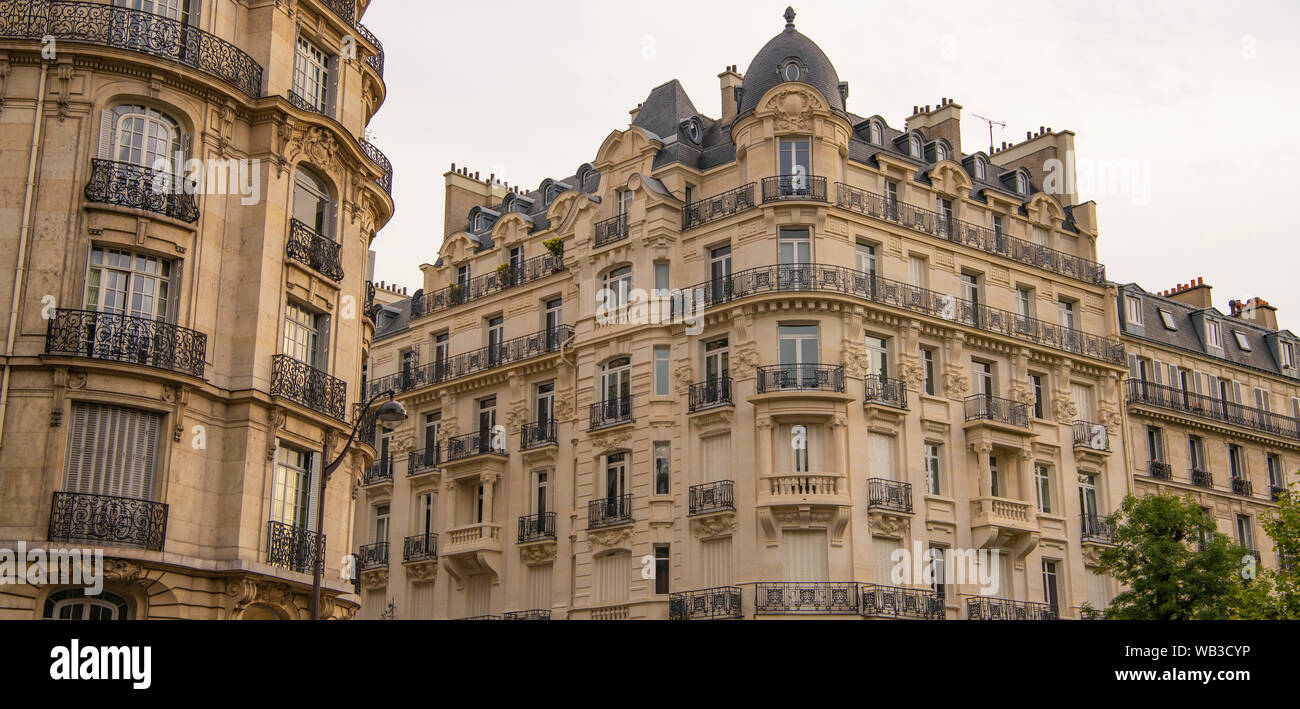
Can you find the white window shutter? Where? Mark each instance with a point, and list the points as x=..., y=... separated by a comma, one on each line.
x=106, y=135
x=1156, y=366
x=1132, y=366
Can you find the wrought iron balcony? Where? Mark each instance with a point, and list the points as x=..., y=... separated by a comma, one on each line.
x=990, y=408
x=303, y=103
x=114, y=521
x=613, y=412
x=794, y=187
x=895, y=602
x=421, y=547
x=320, y=253
x=481, y=287
x=1163, y=471
x=425, y=460
x=470, y=445
x=710, y=604
x=889, y=495
x=801, y=377
x=718, y=206
x=124, y=184
x=133, y=30
x=368, y=308
x=310, y=387
x=1097, y=529
x=124, y=338
x=810, y=597
x=1091, y=435
x=483, y=617
x=538, y=527
x=1242, y=487
x=377, y=157
x=883, y=390
x=481, y=360
x=373, y=556
x=707, y=395
x=1206, y=407
x=527, y=615
x=609, y=511
x=538, y=434
x=1277, y=492
x=374, y=61
x=1202, y=478
x=982, y=608
x=979, y=237
x=611, y=230
x=293, y=548
x=346, y=9
x=711, y=497
x=380, y=472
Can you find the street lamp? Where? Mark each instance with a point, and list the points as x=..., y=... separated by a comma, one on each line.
x=389, y=415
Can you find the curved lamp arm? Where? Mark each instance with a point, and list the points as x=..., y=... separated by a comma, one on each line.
x=329, y=469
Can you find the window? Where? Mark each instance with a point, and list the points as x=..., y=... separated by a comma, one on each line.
x=291, y=491
x=970, y=287
x=127, y=283
x=1022, y=183
x=936, y=571
x=875, y=134
x=946, y=226
x=74, y=604
x=311, y=76
x=517, y=261
x=1167, y=319
x=552, y=321
x=940, y=152
x=661, y=276
x=381, y=524
x=616, y=381
x=1067, y=314
x=625, y=202
x=981, y=170
x=662, y=570
x=487, y=415
x=995, y=486
x=1196, y=453
x=917, y=271
x=1242, y=342
x=791, y=70
x=877, y=356
x=441, y=353
x=720, y=271
x=1025, y=302
x=1236, y=462
x=1042, y=237
x=311, y=202
x=1040, y=396
x=866, y=258
x=425, y=505
x=1088, y=498
x=463, y=278
x=615, y=476
x=891, y=199
x=799, y=445
x=1213, y=335
x=982, y=378
x=914, y=147
x=305, y=335
x=432, y=427
x=113, y=451
x=933, y=479
x=798, y=346
x=618, y=287
x=1288, y=355
x=662, y=371
x=496, y=333
x=927, y=364
x=1133, y=310
x=662, y=479
x=541, y=495
x=795, y=160
x=717, y=360
x=1043, y=486
x=1245, y=532
x=144, y=137
x=545, y=404
x=1276, y=478
x=1155, y=444
x=1051, y=586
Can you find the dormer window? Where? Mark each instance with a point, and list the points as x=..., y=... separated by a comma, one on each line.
x=1133, y=310
x=940, y=152
x=1167, y=318
x=1288, y=355
x=1022, y=183
x=694, y=130
x=551, y=193
x=914, y=146
x=875, y=134
x=1242, y=342
x=981, y=170
x=1213, y=335
x=792, y=70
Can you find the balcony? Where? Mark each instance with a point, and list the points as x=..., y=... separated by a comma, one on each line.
x=1162, y=471
x=981, y=608
x=373, y=556
x=345, y=9
x=1202, y=478
x=307, y=386
x=1003, y=411
x=293, y=548
x=1242, y=487
x=380, y=472
x=894, y=602
x=611, y=230
x=471, y=445
x=1098, y=530
x=476, y=362
x=421, y=547
x=710, y=394
x=483, y=286
x=302, y=103
x=885, y=391
x=711, y=497
x=978, y=237
x=537, y=528
x=801, y=377
x=1277, y=492
x=718, y=207
x=136, y=31
x=126, y=185
x=320, y=253
x=609, y=512
x=806, y=188
x=1209, y=408
x=527, y=615
x=614, y=412
x=423, y=461
x=806, y=598
x=112, y=521
x=1002, y=523
x=538, y=434
x=385, y=181
x=374, y=61
x=889, y=495
x=473, y=538
x=1092, y=436
x=709, y=604
x=122, y=338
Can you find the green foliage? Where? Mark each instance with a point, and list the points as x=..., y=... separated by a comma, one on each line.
x=1275, y=595
x=555, y=246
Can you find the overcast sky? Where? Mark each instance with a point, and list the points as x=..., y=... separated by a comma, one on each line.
x=1198, y=99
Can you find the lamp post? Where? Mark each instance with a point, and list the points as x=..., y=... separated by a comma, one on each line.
x=390, y=414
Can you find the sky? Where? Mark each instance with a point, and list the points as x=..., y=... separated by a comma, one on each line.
x=1184, y=112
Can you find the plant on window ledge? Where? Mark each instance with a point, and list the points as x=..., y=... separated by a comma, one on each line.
x=506, y=275
x=555, y=246
x=453, y=295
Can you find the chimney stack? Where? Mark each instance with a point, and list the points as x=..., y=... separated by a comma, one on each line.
x=944, y=121
x=1033, y=155
x=729, y=82
x=1255, y=311
x=1195, y=294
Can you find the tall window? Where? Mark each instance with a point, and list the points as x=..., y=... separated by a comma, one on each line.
x=970, y=287
x=927, y=364
x=545, y=403
x=875, y=134
x=662, y=280
x=1051, y=585
x=541, y=491
x=662, y=570
x=625, y=202
x=311, y=75
x=1245, y=532
x=1213, y=334
x=933, y=477
x=1236, y=462
x=1276, y=478
x=496, y=334
x=916, y=271
x=720, y=272
x=798, y=345
x=1040, y=396
x=615, y=475
x=382, y=516
x=982, y=378
x=552, y=320
x=143, y=136
x=1088, y=496
x=113, y=451
x=796, y=160
x=127, y=283
x=877, y=356
x=1067, y=314
x=487, y=415
x=291, y=491
x=432, y=426
x=1133, y=310
x=662, y=468
x=795, y=247
x=1196, y=453
x=936, y=571
x=662, y=372
x=618, y=286
x=1043, y=487
x=1155, y=444
x=1025, y=302
x=303, y=335
x=424, y=509
x=616, y=380
x=311, y=202
x=866, y=254
x=717, y=360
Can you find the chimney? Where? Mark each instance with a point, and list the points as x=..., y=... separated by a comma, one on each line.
x=1255, y=311
x=1033, y=155
x=944, y=121
x=1195, y=294
x=464, y=192
x=634, y=113
x=730, y=80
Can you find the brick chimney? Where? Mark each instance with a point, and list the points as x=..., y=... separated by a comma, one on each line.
x=1255, y=311
x=730, y=80
x=944, y=121
x=1033, y=155
x=464, y=192
x=1194, y=293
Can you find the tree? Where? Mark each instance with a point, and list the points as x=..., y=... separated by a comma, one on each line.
x=1173, y=563
x=1275, y=595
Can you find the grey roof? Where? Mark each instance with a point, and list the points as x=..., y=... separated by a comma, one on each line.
x=765, y=70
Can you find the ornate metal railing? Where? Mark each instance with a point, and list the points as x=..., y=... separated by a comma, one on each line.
x=794, y=187
x=1164, y=471
x=536, y=614
x=801, y=377
x=293, y=548
x=374, y=61
x=889, y=495
x=1097, y=529
x=320, y=253
x=982, y=608
x=368, y=308
x=1202, y=478
x=812, y=277
x=303, y=103
x=1243, y=487
x=883, y=390
x=818, y=598
x=534, y=528
x=310, y=387
x=124, y=338
x=373, y=556
x=421, y=547
x=423, y=461
x=377, y=157
x=708, y=394
x=1207, y=407
x=381, y=471
x=481, y=360
x=895, y=602
x=709, y=604
x=483, y=617
x=446, y=298
x=1277, y=492
x=126, y=185
x=538, y=434
x=347, y=9
x=133, y=30
x=1091, y=435
x=609, y=511
x=711, y=497
x=982, y=407
x=470, y=445
x=101, y=519
x=980, y=237
x=611, y=230
x=611, y=413
x=718, y=206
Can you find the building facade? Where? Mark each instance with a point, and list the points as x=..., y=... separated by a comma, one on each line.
x=186, y=278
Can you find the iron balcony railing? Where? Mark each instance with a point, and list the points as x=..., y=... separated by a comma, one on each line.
x=1091, y=435
x=377, y=157
x=373, y=556
x=813, y=277
x=806, y=597
x=303, y=103
x=984, y=238
x=1207, y=407
x=535, y=528
x=711, y=497
x=310, y=387
x=293, y=548
x=368, y=309
x=128, y=339
x=421, y=547
x=481, y=360
x=609, y=511
x=423, y=461
x=536, y=614
x=381, y=471
x=483, y=617
x=801, y=377
x=895, y=602
x=482, y=286
x=718, y=206
x=320, y=253
x=124, y=184
x=611, y=230
x=883, y=390
x=709, y=604
x=794, y=187
x=470, y=445
x=982, y=407
x=374, y=61
x=1243, y=487
x=114, y=521
x=367, y=433
x=982, y=608
x=1095, y=528
x=538, y=434
x=1202, y=478
x=889, y=495
x=1164, y=471
x=346, y=9
x=133, y=30
x=709, y=394
x=1277, y=492
x=613, y=412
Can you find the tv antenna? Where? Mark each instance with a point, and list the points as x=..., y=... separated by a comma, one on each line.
x=991, y=122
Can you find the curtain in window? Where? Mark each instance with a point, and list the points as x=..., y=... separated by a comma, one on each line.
x=113, y=451
x=804, y=555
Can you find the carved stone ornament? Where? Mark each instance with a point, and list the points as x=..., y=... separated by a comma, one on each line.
x=422, y=571
x=683, y=378
x=744, y=363
x=606, y=539
x=123, y=572
x=793, y=108
x=534, y=554
x=1021, y=394
x=884, y=524
x=912, y=374
x=375, y=578
x=1065, y=408
x=317, y=145
x=564, y=408
x=714, y=525
x=955, y=382
x=611, y=440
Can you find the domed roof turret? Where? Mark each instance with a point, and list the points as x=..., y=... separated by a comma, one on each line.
x=790, y=56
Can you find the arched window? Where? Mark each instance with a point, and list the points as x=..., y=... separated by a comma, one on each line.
x=981, y=170
x=171, y=9
x=792, y=70
x=618, y=284
x=143, y=136
x=914, y=146
x=940, y=152
x=74, y=604
x=875, y=134
x=311, y=201
x=1022, y=183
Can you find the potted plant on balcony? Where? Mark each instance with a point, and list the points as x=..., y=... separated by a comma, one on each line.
x=505, y=275
x=453, y=294
x=555, y=246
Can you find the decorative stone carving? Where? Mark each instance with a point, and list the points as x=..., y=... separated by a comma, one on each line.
x=683, y=378
x=123, y=572
x=1064, y=407
x=955, y=382
x=1021, y=394
x=793, y=108
x=911, y=373
x=611, y=440
x=564, y=408
x=885, y=524
x=744, y=363
x=375, y=578
x=422, y=571
x=714, y=525
x=534, y=554
x=856, y=362
x=317, y=146
x=607, y=539
x=517, y=417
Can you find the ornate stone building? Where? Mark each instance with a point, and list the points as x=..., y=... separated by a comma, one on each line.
x=185, y=277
